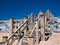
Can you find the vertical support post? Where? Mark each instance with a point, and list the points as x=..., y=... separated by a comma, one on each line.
x=29, y=19
x=11, y=27
x=37, y=33
x=31, y=40
x=48, y=24
x=42, y=22
x=26, y=19
x=32, y=17
x=45, y=23
x=21, y=23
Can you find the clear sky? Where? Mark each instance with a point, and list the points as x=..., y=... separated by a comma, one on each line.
x=20, y=8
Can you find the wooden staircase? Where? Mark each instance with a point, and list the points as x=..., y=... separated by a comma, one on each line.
x=22, y=35
x=19, y=38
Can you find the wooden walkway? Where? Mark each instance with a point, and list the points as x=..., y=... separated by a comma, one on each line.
x=53, y=40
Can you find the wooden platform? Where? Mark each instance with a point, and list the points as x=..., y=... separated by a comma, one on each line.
x=53, y=40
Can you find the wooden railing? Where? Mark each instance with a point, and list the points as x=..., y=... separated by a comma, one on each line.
x=36, y=28
x=18, y=30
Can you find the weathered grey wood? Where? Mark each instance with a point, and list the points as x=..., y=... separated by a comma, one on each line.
x=42, y=22
x=26, y=18
x=33, y=30
x=11, y=28
x=15, y=33
x=37, y=33
x=32, y=17
x=11, y=25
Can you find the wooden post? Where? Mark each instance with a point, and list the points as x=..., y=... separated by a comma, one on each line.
x=11, y=28
x=25, y=19
x=32, y=17
x=42, y=22
x=37, y=33
x=30, y=40
x=11, y=25
x=48, y=24
x=28, y=19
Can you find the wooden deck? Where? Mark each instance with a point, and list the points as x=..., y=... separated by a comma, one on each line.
x=53, y=40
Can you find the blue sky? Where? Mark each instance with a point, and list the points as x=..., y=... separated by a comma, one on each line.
x=20, y=8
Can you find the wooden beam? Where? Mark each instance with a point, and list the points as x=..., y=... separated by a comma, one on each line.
x=37, y=33
x=25, y=19
x=11, y=25
x=42, y=22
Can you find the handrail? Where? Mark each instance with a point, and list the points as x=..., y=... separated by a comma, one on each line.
x=16, y=31
x=32, y=30
x=2, y=42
